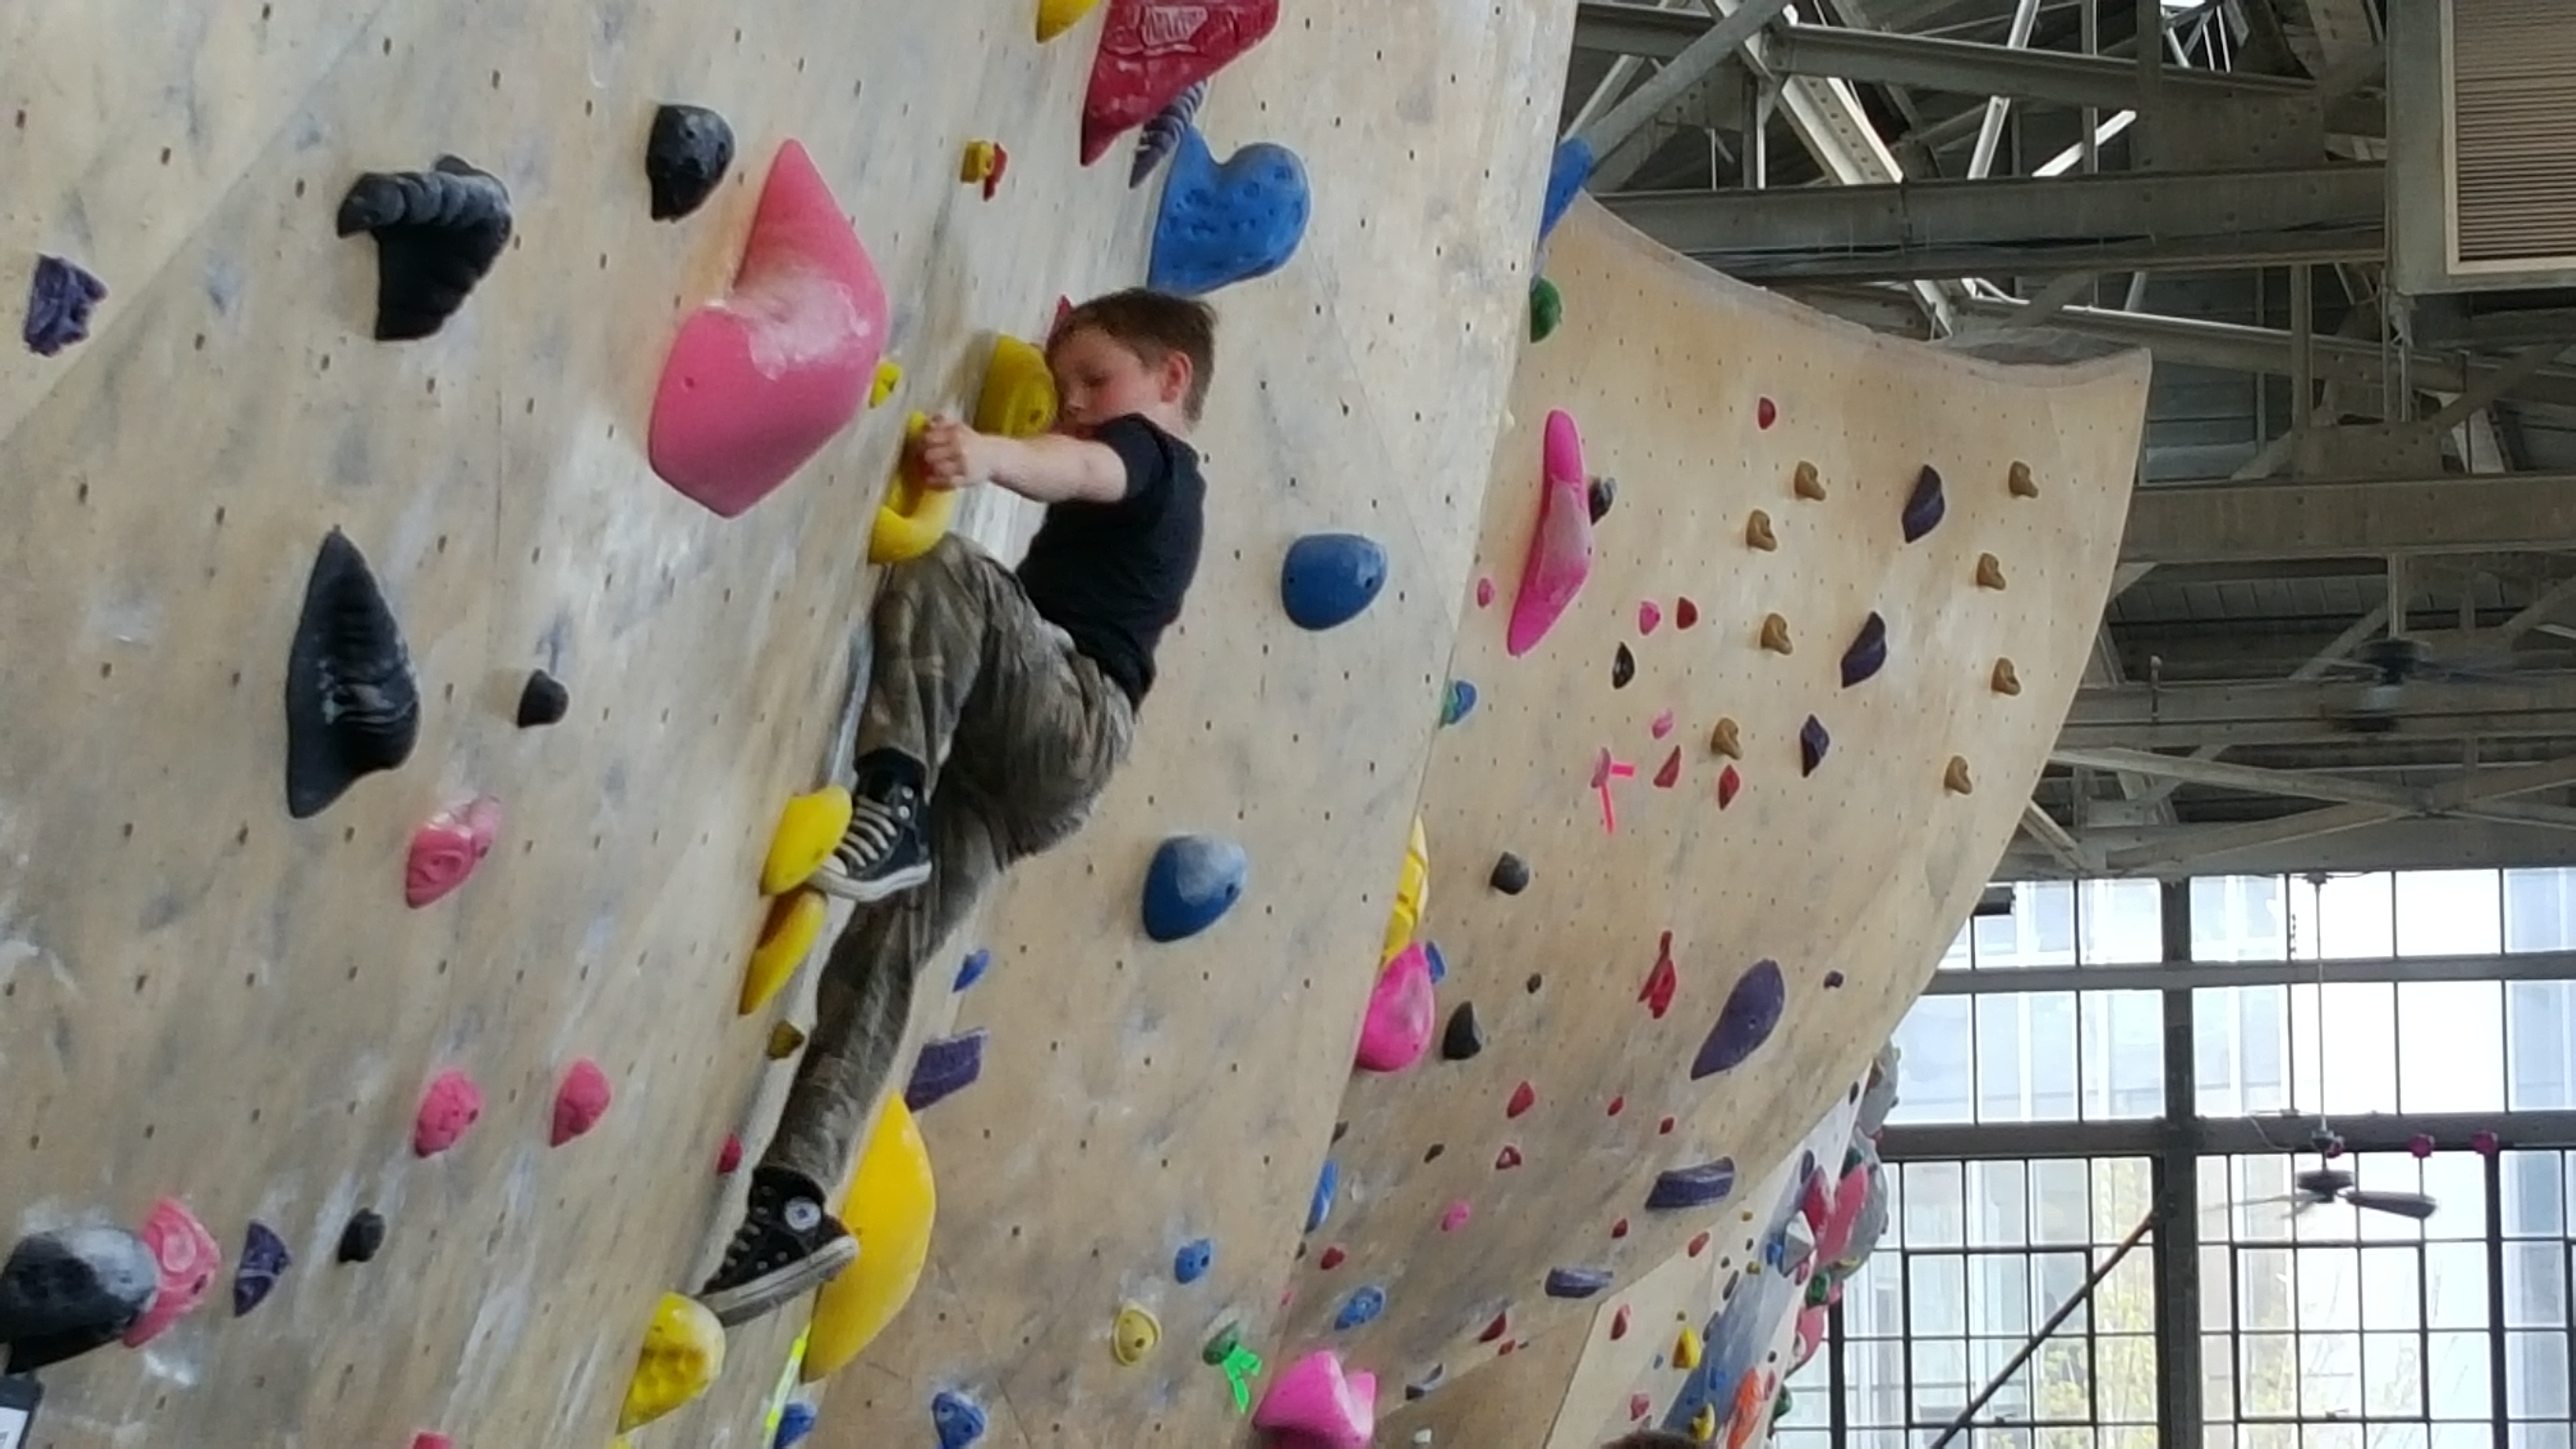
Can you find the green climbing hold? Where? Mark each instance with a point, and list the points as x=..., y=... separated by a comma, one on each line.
x=1547, y=309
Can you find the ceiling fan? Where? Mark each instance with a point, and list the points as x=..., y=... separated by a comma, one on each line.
x=2392, y=662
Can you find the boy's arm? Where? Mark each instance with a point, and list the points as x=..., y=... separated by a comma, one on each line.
x=1054, y=468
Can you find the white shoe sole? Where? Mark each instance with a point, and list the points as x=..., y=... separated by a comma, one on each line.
x=742, y=1304
x=832, y=882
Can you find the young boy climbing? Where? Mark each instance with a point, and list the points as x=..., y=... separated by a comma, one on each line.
x=999, y=703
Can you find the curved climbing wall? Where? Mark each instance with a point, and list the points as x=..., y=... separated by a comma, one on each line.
x=1751, y=818
x=204, y=998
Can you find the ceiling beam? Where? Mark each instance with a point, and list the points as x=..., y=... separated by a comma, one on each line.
x=2448, y=842
x=2176, y=716
x=2317, y=785
x=2214, y=523
x=1968, y=68
x=2469, y=788
x=2024, y=227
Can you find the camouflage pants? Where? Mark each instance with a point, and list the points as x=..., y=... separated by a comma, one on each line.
x=1020, y=733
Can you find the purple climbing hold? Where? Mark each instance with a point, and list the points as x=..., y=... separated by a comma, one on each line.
x=1576, y=1282
x=1833, y=981
x=1162, y=132
x=1812, y=744
x=1692, y=1187
x=264, y=1260
x=1745, y=1022
x=60, y=298
x=1868, y=652
x=972, y=969
x=1925, y=505
x=944, y=1068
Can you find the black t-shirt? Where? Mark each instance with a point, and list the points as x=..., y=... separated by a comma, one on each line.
x=1112, y=574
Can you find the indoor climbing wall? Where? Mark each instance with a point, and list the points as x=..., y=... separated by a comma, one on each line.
x=1748, y=698
x=1139, y=1100
x=450, y=1056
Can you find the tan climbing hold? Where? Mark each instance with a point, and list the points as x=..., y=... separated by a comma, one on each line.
x=1724, y=740
x=2006, y=679
x=1757, y=531
x=785, y=1041
x=2021, y=483
x=1990, y=571
x=1775, y=634
x=1809, y=484
x=1955, y=778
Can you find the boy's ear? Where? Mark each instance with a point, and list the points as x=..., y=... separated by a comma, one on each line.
x=1175, y=375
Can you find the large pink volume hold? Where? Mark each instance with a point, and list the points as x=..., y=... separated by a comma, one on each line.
x=1560, y=552
x=1152, y=50
x=1400, y=1010
x=1316, y=1403
x=758, y=382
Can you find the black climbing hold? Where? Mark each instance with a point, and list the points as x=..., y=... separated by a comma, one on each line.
x=689, y=151
x=1692, y=1187
x=1576, y=1282
x=352, y=704
x=1833, y=981
x=1599, y=494
x=1464, y=1036
x=1341, y=1130
x=1745, y=1022
x=945, y=1067
x=437, y=232
x=1535, y=981
x=60, y=297
x=363, y=1238
x=64, y=1293
x=1868, y=652
x=1432, y=1153
x=1623, y=668
x=264, y=1260
x=1925, y=505
x=543, y=700
x=1812, y=744
x=1511, y=875
x=1422, y=1387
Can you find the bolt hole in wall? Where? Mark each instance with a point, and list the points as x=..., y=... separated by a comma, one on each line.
x=2429, y=1016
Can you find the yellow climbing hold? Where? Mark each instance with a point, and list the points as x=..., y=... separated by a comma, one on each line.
x=889, y=1207
x=1703, y=1425
x=914, y=514
x=683, y=1353
x=1412, y=895
x=889, y=377
x=1133, y=1335
x=795, y=919
x=807, y=830
x=786, y=1039
x=1055, y=17
x=785, y=1390
x=1018, y=399
x=1686, y=1349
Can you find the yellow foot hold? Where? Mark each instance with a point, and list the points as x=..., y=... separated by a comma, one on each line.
x=914, y=514
x=807, y=830
x=889, y=377
x=1018, y=398
x=795, y=920
x=1055, y=17
x=683, y=1353
x=891, y=1203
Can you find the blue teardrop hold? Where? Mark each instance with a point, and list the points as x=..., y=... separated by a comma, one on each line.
x=1194, y=880
x=1329, y=578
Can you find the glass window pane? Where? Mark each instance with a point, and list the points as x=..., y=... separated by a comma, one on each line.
x=2462, y=1436
x=2040, y=930
x=1998, y=1205
x=2450, y=1046
x=1940, y=1377
x=2535, y=1198
x=2392, y=1375
x=2449, y=913
x=2055, y=1278
x=1940, y=1058
x=2343, y=918
x=2124, y=1054
x=2124, y=1188
x=2540, y=1045
x=2329, y=1286
x=2540, y=909
x=2458, y=1181
x=2239, y=918
x=2535, y=1378
x=2457, y=1376
x=2241, y=1049
x=2537, y=1436
x=2264, y=1277
x=2455, y=1284
x=2217, y=1374
x=1932, y=1217
x=2397, y=1436
x=2535, y=1285
x=1936, y=1294
x=2000, y=1303
x=2329, y=1372
x=2063, y=1381
x=2126, y=1300
x=2391, y=1288
x=2217, y=1294
x=2124, y=1377
x=2061, y=1195
x=2267, y=1381
x=2122, y=922
x=1959, y=957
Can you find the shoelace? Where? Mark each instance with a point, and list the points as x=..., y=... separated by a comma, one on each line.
x=874, y=829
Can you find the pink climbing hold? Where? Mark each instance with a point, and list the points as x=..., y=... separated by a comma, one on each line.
x=188, y=1260
x=447, y=847
x=1322, y=1403
x=1457, y=1215
x=1698, y=1244
x=758, y=382
x=1398, y=1026
x=1649, y=614
x=447, y=1109
x=1507, y=1159
x=1524, y=1097
x=580, y=1102
x=1560, y=549
x=729, y=1156
x=425, y=1439
x=1152, y=50
x=1484, y=593
x=1663, y=724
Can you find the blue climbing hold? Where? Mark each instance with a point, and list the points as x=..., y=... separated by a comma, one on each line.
x=1566, y=173
x=944, y=1068
x=1868, y=652
x=1328, y=578
x=959, y=1419
x=794, y=1423
x=1692, y=1187
x=1327, y=1184
x=1191, y=1263
x=1752, y=1011
x=1576, y=1282
x=1925, y=505
x=264, y=1260
x=1363, y=1306
x=1460, y=703
x=1229, y=223
x=1813, y=741
x=1194, y=879
x=972, y=970
x=1438, y=963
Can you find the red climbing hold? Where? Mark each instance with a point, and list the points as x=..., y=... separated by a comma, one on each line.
x=1484, y=593
x=1665, y=1128
x=1501, y=1325
x=1660, y=984
x=1728, y=783
x=1507, y=1347
x=1618, y=1105
x=1671, y=774
x=1507, y=1159
x=729, y=1156
x=1524, y=1097
x=447, y=847
x=1699, y=1245
x=428, y=1440
x=187, y=1258
x=1639, y=1406
x=1685, y=613
x=580, y=1102
x=1330, y=1259
x=1619, y=1322
x=1619, y=1229
x=1765, y=414
x=1152, y=50
x=447, y=1109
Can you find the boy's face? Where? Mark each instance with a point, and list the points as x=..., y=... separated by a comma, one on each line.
x=1098, y=378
